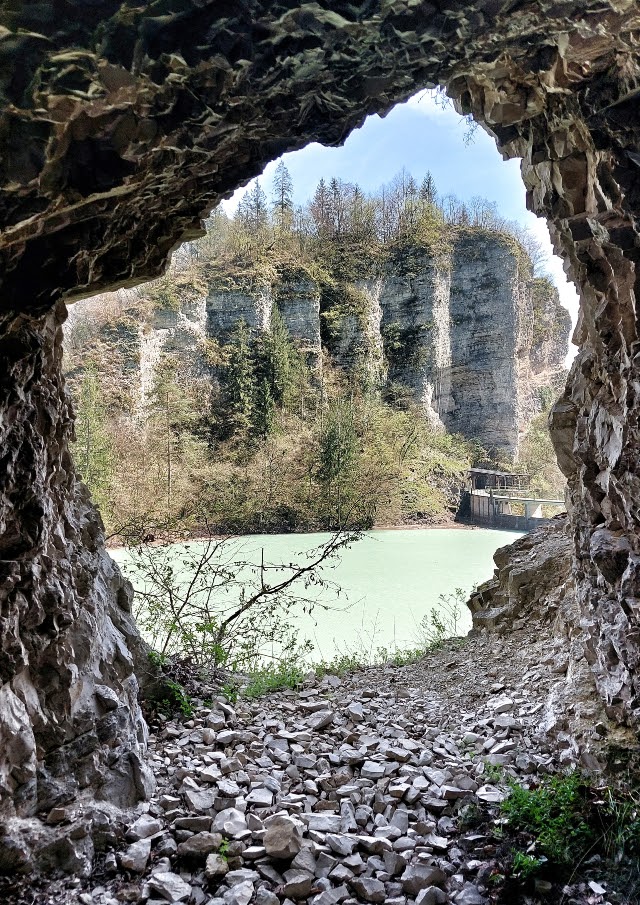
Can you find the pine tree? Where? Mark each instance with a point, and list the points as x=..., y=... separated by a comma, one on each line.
x=264, y=410
x=320, y=209
x=282, y=196
x=93, y=447
x=337, y=458
x=174, y=416
x=337, y=207
x=428, y=192
x=253, y=211
x=239, y=384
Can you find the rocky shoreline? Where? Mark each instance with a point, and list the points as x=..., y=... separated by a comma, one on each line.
x=380, y=786
x=437, y=523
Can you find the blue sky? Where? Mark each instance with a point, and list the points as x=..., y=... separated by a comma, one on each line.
x=421, y=135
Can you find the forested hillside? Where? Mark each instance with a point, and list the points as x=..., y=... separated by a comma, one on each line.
x=306, y=367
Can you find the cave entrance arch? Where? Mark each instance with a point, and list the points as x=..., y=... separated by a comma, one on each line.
x=121, y=126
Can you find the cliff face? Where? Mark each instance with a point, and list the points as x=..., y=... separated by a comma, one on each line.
x=465, y=332
x=295, y=294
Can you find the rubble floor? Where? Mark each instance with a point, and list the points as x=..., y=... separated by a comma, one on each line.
x=379, y=786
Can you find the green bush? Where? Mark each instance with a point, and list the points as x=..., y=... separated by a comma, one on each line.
x=287, y=674
x=556, y=814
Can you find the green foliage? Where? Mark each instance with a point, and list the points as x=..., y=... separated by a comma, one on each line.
x=177, y=699
x=239, y=384
x=275, y=446
x=285, y=674
x=538, y=458
x=556, y=814
x=165, y=295
x=525, y=866
x=620, y=817
x=230, y=690
x=94, y=453
x=157, y=660
x=442, y=622
x=259, y=377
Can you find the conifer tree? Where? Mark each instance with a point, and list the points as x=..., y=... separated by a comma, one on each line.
x=320, y=209
x=264, y=409
x=93, y=448
x=239, y=384
x=253, y=211
x=337, y=458
x=428, y=192
x=337, y=207
x=282, y=197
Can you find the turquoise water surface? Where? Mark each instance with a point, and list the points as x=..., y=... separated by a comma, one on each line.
x=389, y=579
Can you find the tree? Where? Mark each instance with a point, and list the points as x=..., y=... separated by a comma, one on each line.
x=337, y=207
x=93, y=447
x=428, y=192
x=253, y=211
x=361, y=215
x=280, y=371
x=239, y=384
x=263, y=417
x=174, y=416
x=209, y=604
x=337, y=457
x=321, y=209
x=282, y=197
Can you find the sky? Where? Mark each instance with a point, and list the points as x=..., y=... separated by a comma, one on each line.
x=423, y=135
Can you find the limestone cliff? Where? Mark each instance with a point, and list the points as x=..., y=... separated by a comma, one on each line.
x=464, y=331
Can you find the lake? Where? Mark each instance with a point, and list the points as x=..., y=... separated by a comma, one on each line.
x=390, y=581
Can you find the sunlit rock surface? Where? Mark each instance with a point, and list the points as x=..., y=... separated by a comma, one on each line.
x=123, y=123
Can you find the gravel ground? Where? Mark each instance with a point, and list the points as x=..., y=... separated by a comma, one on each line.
x=380, y=786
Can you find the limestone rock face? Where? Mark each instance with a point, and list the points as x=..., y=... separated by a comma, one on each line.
x=69, y=715
x=465, y=330
x=295, y=295
x=490, y=307
x=416, y=326
x=533, y=575
x=122, y=124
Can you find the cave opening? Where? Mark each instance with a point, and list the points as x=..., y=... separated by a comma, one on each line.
x=339, y=244
x=117, y=143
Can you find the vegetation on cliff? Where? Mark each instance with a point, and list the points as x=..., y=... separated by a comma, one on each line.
x=251, y=431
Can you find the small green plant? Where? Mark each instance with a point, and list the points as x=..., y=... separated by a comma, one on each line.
x=177, y=699
x=157, y=660
x=287, y=674
x=621, y=816
x=341, y=664
x=525, y=866
x=492, y=773
x=442, y=622
x=230, y=690
x=556, y=815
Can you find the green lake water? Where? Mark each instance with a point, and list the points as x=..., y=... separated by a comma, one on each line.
x=390, y=581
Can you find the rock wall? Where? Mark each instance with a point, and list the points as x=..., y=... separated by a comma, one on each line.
x=466, y=331
x=294, y=293
x=417, y=329
x=69, y=714
x=121, y=125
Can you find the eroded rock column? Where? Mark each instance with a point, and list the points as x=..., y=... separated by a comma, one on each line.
x=69, y=715
x=581, y=168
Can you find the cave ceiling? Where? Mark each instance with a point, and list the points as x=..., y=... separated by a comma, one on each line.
x=122, y=124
